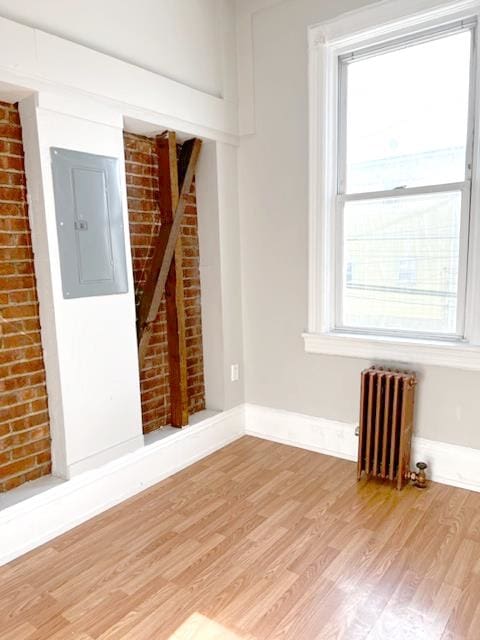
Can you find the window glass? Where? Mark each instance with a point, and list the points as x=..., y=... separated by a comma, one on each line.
x=401, y=263
x=407, y=115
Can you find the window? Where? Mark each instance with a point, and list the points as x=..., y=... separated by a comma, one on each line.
x=404, y=169
x=349, y=273
x=407, y=270
x=394, y=270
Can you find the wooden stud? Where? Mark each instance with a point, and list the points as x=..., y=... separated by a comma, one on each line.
x=162, y=259
x=166, y=146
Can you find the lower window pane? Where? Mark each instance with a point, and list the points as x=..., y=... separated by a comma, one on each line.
x=400, y=263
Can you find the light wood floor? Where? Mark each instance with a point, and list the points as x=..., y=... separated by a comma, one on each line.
x=258, y=541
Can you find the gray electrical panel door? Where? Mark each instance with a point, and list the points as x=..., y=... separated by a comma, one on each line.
x=88, y=206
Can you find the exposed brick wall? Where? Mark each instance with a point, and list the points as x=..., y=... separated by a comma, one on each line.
x=144, y=217
x=24, y=425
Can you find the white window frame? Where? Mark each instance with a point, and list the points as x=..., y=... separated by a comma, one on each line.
x=464, y=187
x=372, y=26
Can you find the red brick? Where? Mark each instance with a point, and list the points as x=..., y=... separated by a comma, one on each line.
x=37, y=447
x=11, y=147
x=29, y=421
x=20, y=368
x=10, y=162
x=24, y=429
x=17, y=467
x=144, y=220
x=13, y=224
x=22, y=310
x=16, y=282
x=26, y=325
x=12, y=483
x=4, y=429
x=11, y=131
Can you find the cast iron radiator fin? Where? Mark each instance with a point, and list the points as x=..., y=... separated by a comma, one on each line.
x=386, y=424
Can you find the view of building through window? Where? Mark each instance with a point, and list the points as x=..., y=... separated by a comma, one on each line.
x=405, y=126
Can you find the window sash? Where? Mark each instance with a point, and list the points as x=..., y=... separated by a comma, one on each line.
x=398, y=192
x=409, y=39
x=464, y=187
x=400, y=43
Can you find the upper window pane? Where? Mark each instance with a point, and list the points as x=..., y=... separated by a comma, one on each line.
x=407, y=115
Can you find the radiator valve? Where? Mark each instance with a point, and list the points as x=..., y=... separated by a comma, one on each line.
x=419, y=478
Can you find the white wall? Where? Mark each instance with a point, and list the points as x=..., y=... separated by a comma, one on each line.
x=90, y=346
x=227, y=170
x=151, y=34
x=31, y=59
x=273, y=212
x=219, y=238
x=76, y=98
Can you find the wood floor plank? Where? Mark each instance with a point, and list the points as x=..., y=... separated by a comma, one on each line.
x=258, y=541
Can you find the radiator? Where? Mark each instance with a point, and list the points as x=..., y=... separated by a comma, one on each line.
x=386, y=424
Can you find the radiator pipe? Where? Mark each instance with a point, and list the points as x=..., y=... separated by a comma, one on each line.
x=419, y=478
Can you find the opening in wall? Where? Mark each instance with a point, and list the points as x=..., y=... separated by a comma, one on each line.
x=144, y=184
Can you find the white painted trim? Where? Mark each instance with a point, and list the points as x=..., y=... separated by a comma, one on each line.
x=389, y=18
x=245, y=15
x=374, y=23
x=322, y=179
x=329, y=437
x=36, y=519
x=32, y=60
x=104, y=457
x=472, y=316
x=402, y=350
x=41, y=518
x=337, y=30
x=448, y=464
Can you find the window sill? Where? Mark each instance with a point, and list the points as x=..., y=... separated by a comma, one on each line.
x=440, y=354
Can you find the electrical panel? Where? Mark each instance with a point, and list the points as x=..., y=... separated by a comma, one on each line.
x=89, y=215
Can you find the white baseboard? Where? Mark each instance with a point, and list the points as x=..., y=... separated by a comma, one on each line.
x=58, y=508
x=104, y=457
x=38, y=519
x=448, y=464
x=299, y=430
